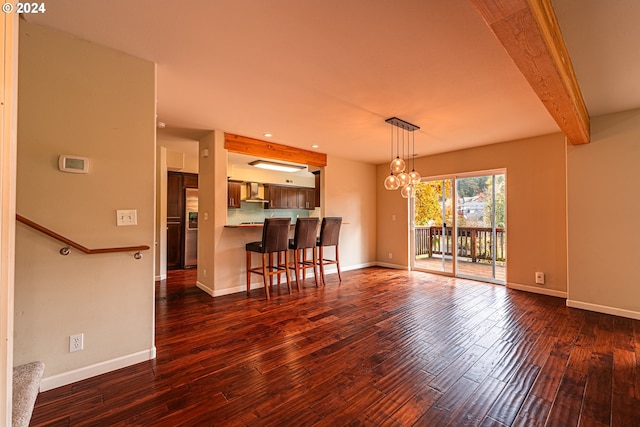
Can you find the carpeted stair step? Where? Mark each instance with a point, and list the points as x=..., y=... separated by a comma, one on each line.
x=26, y=385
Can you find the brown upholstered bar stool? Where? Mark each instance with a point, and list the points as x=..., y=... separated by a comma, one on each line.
x=275, y=240
x=304, y=238
x=329, y=236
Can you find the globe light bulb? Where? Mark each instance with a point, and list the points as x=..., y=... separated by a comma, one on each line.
x=414, y=176
x=391, y=182
x=407, y=191
x=397, y=165
x=403, y=179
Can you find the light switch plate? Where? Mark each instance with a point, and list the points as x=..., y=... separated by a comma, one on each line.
x=126, y=217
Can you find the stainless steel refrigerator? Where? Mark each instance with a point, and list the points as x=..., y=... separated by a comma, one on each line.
x=191, y=227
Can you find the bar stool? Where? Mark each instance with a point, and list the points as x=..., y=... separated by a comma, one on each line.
x=304, y=238
x=329, y=236
x=275, y=240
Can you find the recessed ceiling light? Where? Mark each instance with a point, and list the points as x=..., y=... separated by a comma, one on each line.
x=268, y=135
x=282, y=167
x=315, y=146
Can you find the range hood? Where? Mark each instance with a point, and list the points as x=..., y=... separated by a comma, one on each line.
x=253, y=194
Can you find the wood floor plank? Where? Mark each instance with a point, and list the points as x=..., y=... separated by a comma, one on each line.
x=567, y=404
x=624, y=411
x=508, y=403
x=412, y=409
x=382, y=348
x=478, y=405
x=445, y=407
x=599, y=386
x=533, y=412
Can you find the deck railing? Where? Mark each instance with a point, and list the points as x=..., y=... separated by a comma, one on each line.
x=472, y=242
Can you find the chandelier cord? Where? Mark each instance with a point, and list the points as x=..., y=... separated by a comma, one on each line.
x=413, y=152
x=391, y=148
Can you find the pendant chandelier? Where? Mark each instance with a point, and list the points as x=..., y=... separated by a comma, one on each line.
x=399, y=176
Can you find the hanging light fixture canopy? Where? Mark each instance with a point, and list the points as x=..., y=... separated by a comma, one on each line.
x=399, y=177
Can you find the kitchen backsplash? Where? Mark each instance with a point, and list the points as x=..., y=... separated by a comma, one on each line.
x=255, y=212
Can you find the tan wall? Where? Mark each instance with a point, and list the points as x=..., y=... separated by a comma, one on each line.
x=603, y=180
x=207, y=208
x=79, y=98
x=350, y=192
x=536, y=194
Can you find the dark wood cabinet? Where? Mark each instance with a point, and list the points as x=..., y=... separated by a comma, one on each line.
x=306, y=198
x=233, y=193
x=317, y=189
x=284, y=197
x=190, y=180
x=175, y=200
x=272, y=194
x=176, y=184
x=289, y=197
x=174, y=249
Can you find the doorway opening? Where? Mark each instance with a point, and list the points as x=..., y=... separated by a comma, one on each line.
x=459, y=228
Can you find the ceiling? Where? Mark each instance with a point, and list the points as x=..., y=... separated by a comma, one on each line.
x=329, y=72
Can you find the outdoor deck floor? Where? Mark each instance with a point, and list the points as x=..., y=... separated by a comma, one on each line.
x=466, y=268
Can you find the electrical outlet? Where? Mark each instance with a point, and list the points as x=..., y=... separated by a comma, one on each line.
x=76, y=342
x=390, y=255
x=539, y=278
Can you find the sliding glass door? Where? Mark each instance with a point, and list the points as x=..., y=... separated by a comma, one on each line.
x=433, y=226
x=481, y=227
x=465, y=235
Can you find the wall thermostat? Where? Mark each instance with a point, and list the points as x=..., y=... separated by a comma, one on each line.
x=73, y=164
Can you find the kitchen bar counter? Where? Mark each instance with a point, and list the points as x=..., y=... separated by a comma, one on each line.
x=245, y=226
x=256, y=225
x=231, y=253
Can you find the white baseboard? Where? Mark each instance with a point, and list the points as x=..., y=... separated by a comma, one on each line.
x=205, y=288
x=537, y=290
x=65, y=378
x=228, y=291
x=604, y=309
x=161, y=277
x=389, y=265
x=353, y=267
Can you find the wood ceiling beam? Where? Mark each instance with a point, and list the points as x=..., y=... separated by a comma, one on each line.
x=256, y=147
x=529, y=31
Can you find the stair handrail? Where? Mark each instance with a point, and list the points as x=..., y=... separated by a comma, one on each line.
x=71, y=244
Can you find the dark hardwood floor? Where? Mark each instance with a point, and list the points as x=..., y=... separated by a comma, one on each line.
x=384, y=348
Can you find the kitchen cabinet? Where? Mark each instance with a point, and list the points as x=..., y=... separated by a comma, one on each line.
x=233, y=194
x=174, y=248
x=285, y=197
x=289, y=197
x=190, y=180
x=272, y=194
x=306, y=198
x=317, y=189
